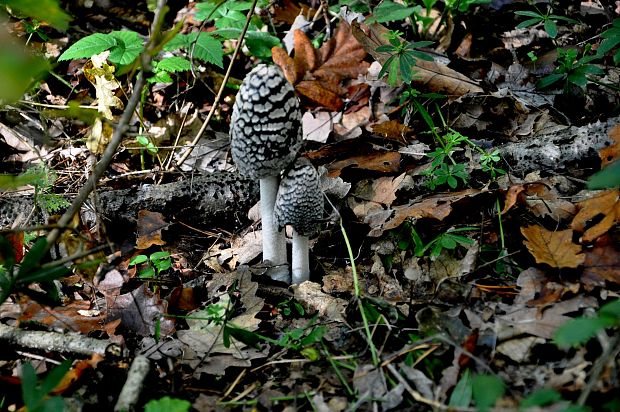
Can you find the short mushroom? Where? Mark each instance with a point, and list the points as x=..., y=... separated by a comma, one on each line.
x=299, y=203
x=266, y=135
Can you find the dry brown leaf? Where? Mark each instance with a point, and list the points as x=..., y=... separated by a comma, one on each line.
x=392, y=129
x=285, y=11
x=388, y=162
x=602, y=264
x=553, y=248
x=605, y=204
x=434, y=76
x=150, y=225
x=317, y=74
x=611, y=153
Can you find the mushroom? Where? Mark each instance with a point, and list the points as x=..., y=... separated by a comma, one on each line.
x=266, y=135
x=299, y=203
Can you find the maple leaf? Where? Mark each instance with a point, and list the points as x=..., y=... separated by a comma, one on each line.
x=317, y=74
x=553, y=248
x=605, y=204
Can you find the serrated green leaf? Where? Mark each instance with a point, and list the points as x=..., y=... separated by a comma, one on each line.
x=209, y=50
x=128, y=47
x=487, y=390
x=174, y=64
x=42, y=10
x=167, y=404
x=580, y=330
x=89, y=46
x=260, y=43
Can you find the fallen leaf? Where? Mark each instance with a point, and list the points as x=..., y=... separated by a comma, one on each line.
x=317, y=74
x=385, y=162
x=553, y=248
x=605, y=204
x=150, y=225
x=602, y=263
x=611, y=153
x=392, y=129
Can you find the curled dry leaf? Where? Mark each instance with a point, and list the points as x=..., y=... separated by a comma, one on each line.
x=553, y=248
x=611, y=153
x=317, y=74
x=605, y=204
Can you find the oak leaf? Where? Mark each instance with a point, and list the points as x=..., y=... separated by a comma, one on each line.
x=553, y=248
x=605, y=204
x=611, y=153
x=317, y=74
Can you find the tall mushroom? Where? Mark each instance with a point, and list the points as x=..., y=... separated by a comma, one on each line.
x=299, y=203
x=266, y=135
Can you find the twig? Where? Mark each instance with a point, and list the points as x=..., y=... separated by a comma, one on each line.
x=122, y=126
x=220, y=92
x=53, y=341
x=130, y=393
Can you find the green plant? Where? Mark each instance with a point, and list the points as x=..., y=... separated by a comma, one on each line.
x=611, y=40
x=167, y=404
x=291, y=307
x=388, y=11
x=607, y=178
x=580, y=330
x=447, y=240
x=43, y=178
x=403, y=57
x=153, y=265
x=440, y=172
x=35, y=393
x=571, y=69
x=548, y=20
x=488, y=160
x=162, y=69
x=17, y=278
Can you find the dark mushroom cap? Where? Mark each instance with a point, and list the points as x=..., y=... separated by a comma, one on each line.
x=265, y=128
x=299, y=202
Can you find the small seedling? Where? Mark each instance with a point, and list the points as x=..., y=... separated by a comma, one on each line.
x=572, y=69
x=403, y=58
x=448, y=240
x=548, y=20
x=153, y=265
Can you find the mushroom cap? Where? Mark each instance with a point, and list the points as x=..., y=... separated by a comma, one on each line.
x=265, y=128
x=299, y=201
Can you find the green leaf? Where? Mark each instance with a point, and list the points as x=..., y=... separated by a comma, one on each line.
x=33, y=257
x=209, y=50
x=42, y=275
x=243, y=335
x=89, y=46
x=167, y=404
x=551, y=28
x=260, y=43
x=549, y=80
x=580, y=330
x=528, y=13
x=42, y=10
x=611, y=309
x=30, y=394
x=487, y=389
x=174, y=64
x=528, y=23
x=462, y=394
x=128, y=47
x=541, y=397
x=389, y=11
x=140, y=258
x=147, y=273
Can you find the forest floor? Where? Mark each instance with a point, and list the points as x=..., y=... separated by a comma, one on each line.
x=468, y=258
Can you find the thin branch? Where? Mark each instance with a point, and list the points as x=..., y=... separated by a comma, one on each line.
x=220, y=92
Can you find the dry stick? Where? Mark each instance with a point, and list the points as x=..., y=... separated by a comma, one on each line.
x=220, y=92
x=132, y=388
x=122, y=126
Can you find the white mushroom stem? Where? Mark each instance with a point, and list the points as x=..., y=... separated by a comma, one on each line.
x=301, y=259
x=274, y=241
